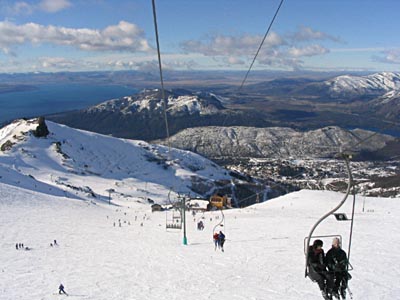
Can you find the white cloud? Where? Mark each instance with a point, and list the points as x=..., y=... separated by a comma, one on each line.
x=94, y=63
x=308, y=34
x=49, y=6
x=51, y=63
x=235, y=60
x=388, y=57
x=277, y=50
x=368, y=49
x=310, y=50
x=151, y=65
x=53, y=6
x=21, y=8
x=122, y=37
x=279, y=58
x=231, y=45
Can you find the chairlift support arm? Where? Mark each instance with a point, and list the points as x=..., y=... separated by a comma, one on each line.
x=349, y=186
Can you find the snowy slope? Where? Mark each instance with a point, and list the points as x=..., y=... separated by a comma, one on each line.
x=374, y=84
x=83, y=164
x=275, y=142
x=151, y=101
x=388, y=105
x=263, y=256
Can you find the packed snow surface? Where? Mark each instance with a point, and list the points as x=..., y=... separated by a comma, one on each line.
x=78, y=163
x=263, y=258
x=56, y=188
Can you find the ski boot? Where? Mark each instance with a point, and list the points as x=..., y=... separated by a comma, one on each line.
x=326, y=296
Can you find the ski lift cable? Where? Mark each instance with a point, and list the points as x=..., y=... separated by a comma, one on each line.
x=251, y=196
x=349, y=187
x=271, y=186
x=275, y=184
x=164, y=101
x=339, y=149
x=389, y=125
x=298, y=175
x=259, y=48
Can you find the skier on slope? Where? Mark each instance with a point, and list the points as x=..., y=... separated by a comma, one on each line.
x=221, y=240
x=61, y=290
x=216, y=241
x=336, y=260
x=317, y=269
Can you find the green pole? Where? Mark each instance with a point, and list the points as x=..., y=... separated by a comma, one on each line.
x=184, y=221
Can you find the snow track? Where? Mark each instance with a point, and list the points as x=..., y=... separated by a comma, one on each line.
x=263, y=256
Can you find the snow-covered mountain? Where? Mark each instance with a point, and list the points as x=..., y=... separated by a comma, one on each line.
x=387, y=105
x=275, y=142
x=82, y=164
x=179, y=102
x=141, y=116
x=346, y=88
x=377, y=84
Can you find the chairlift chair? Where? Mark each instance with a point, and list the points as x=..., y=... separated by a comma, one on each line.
x=173, y=221
x=338, y=216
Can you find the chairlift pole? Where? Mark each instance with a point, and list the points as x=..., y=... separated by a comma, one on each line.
x=184, y=220
x=363, y=202
x=351, y=226
x=109, y=195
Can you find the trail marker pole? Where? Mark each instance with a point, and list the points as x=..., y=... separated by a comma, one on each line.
x=184, y=220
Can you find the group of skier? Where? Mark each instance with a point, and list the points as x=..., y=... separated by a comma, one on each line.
x=330, y=271
x=219, y=240
x=19, y=246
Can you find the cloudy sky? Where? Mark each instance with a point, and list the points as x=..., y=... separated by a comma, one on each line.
x=85, y=35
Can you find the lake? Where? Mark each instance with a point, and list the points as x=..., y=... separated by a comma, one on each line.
x=54, y=98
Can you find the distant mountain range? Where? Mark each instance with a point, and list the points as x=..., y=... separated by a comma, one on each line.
x=141, y=116
x=300, y=106
x=279, y=142
x=346, y=88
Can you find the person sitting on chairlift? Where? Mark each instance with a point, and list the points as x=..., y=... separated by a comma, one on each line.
x=317, y=269
x=336, y=260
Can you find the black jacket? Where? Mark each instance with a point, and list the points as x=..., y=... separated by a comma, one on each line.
x=316, y=259
x=336, y=260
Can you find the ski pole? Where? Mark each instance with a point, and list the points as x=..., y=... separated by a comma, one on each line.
x=350, y=293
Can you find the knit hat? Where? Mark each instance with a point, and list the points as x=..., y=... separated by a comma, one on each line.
x=318, y=243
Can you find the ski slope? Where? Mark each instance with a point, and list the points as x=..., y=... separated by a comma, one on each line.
x=83, y=165
x=263, y=256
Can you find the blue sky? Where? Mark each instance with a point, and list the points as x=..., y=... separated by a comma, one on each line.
x=88, y=35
